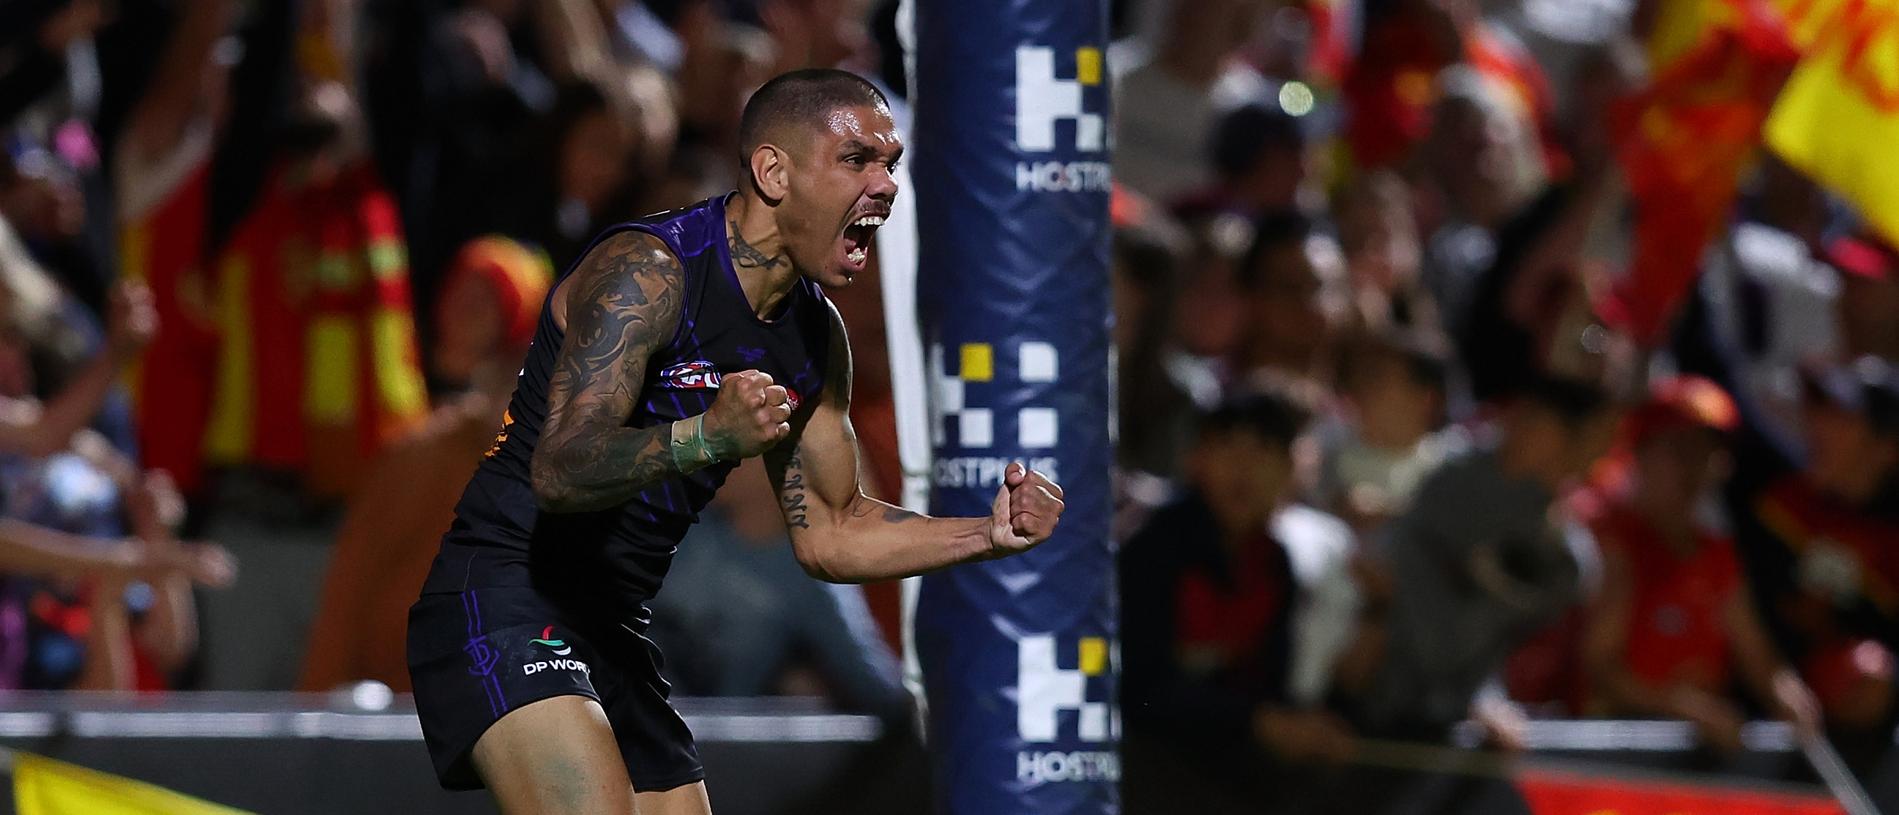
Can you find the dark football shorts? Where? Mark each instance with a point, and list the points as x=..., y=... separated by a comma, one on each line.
x=477, y=654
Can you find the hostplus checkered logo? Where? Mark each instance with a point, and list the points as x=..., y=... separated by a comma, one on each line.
x=1049, y=696
x=965, y=386
x=1037, y=428
x=1044, y=99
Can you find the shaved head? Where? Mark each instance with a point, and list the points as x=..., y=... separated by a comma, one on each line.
x=792, y=105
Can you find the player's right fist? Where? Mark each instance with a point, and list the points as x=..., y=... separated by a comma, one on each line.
x=750, y=415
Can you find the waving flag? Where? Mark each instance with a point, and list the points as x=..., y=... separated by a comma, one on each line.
x=1838, y=119
x=1719, y=65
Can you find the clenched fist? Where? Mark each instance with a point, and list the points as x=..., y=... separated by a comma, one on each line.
x=1027, y=507
x=750, y=415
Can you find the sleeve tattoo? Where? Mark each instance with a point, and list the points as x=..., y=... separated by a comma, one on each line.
x=623, y=307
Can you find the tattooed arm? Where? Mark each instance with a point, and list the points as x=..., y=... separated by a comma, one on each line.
x=844, y=536
x=622, y=304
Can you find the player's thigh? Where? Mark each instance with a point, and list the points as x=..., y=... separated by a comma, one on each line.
x=689, y=799
x=556, y=756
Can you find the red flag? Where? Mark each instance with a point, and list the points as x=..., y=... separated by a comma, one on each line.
x=1686, y=140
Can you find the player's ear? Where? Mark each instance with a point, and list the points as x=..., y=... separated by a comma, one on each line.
x=770, y=172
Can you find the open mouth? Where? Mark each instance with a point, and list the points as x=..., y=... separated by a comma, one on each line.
x=857, y=239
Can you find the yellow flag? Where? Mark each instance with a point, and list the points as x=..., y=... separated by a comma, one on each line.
x=42, y=786
x=1838, y=117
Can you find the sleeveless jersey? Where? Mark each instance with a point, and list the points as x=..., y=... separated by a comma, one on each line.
x=611, y=561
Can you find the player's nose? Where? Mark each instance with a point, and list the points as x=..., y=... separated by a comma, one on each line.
x=883, y=185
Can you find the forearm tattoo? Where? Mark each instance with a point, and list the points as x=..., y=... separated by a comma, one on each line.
x=624, y=307
x=791, y=494
x=890, y=513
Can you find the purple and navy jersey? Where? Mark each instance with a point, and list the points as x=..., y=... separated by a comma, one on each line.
x=613, y=560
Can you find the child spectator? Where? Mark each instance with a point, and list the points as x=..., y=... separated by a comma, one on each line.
x=1224, y=592
x=1673, y=627
x=1374, y=455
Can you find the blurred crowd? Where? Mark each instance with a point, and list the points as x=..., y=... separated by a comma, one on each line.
x=1412, y=430
x=1436, y=408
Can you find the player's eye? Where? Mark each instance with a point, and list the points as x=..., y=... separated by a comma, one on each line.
x=892, y=166
x=855, y=160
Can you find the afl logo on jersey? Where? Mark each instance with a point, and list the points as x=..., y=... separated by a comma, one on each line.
x=698, y=375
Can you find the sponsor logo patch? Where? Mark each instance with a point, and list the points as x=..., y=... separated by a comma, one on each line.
x=695, y=375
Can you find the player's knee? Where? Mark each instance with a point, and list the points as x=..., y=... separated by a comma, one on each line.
x=555, y=756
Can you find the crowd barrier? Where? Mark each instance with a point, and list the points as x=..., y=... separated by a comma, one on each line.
x=296, y=754
x=362, y=753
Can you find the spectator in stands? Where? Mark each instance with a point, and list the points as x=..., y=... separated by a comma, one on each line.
x=1673, y=627
x=161, y=186
x=586, y=143
x=1261, y=162
x=1481, y=563
x=1169, y=103
x=725, y=62
x=820, y=34
x=1409, y=43
x=33, y=557
x=1232, y=617
x=1818, y=542
x=84, y=605
x=1146, y=274
x=1293, y=282
x=1378, y=234
x=41, y=195
x=1379, y=448
x=77, y=369
x=1531, y=311
x=1468, y=192
x=1767, y=304
x=1210, y=309
x=315, y=366
x=107, y=629
x=488, y=310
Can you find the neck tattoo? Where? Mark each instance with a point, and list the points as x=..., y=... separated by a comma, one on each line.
x=747, y=256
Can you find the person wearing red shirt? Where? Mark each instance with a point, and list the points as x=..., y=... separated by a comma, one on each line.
x=1673, y=627
x=1215, y=609
x=1819, y=542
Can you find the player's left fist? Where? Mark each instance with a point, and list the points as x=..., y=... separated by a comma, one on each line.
x=1028, y=505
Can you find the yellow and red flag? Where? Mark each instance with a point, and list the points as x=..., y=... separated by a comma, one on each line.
x=1838, y=118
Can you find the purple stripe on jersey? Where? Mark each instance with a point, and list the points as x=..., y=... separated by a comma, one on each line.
x=665, y=491
x=679, y=407
x=471, y=610
x=482, y=656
